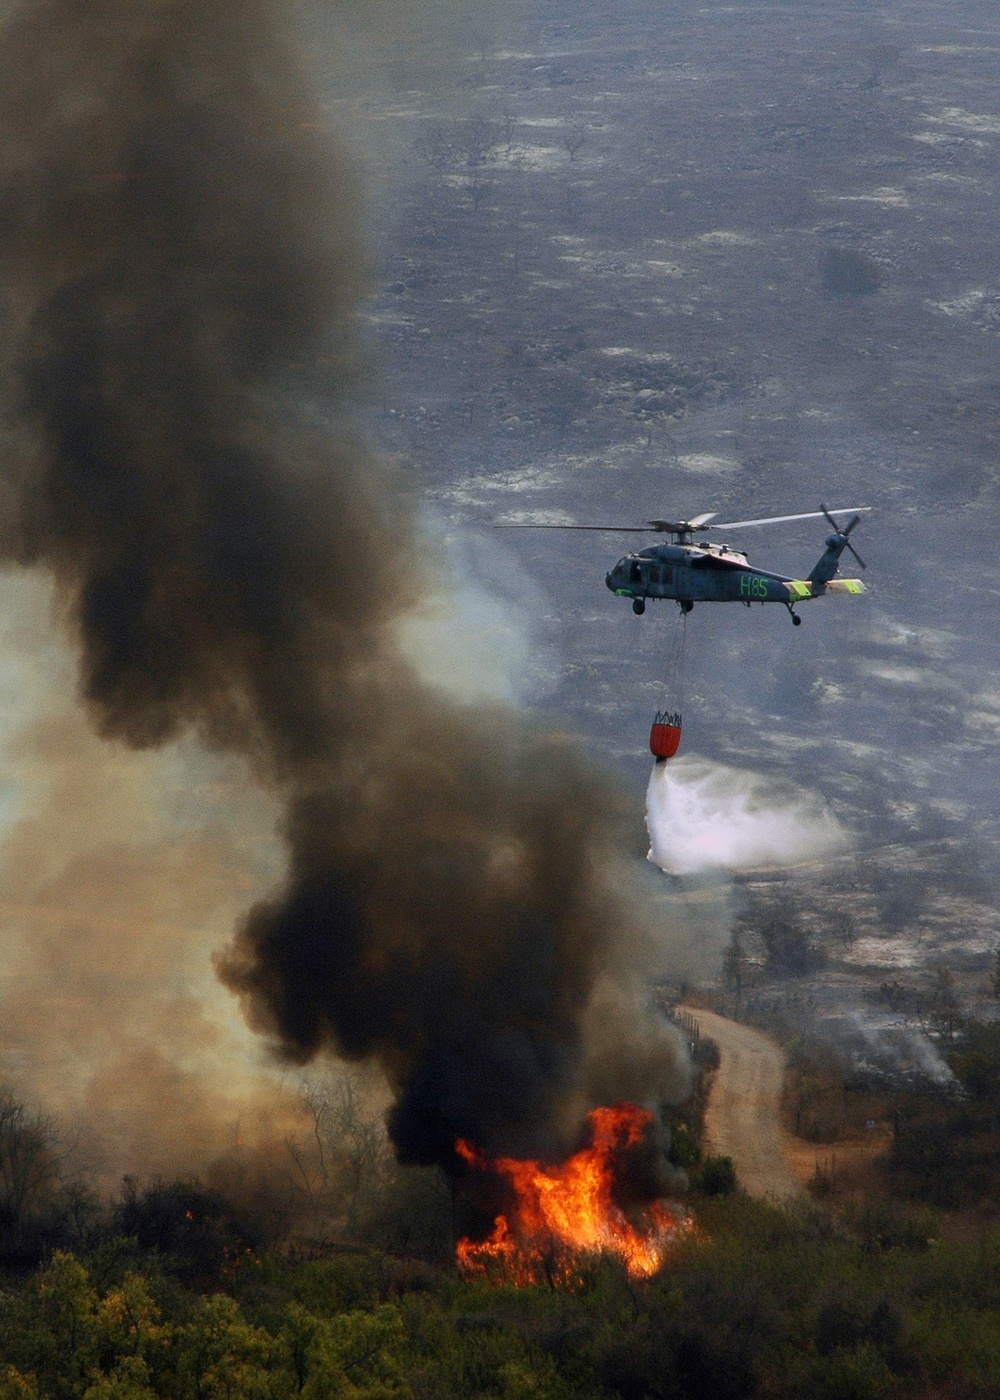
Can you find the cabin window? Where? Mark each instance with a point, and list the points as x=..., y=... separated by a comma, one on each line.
x=666, y=573
x=635, y=573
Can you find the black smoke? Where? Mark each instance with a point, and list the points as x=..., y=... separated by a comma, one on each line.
x=178, y=238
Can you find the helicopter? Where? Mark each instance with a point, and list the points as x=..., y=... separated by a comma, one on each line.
x=704, y=572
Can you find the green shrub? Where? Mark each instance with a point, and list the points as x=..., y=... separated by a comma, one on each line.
x=684, y=1149
x=717, y=1177
x=858, y=1373
x=847, y=272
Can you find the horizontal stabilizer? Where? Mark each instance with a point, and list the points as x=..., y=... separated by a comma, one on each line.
x=845, y=585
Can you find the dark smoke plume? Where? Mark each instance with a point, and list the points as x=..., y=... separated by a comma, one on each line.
x=178, y=237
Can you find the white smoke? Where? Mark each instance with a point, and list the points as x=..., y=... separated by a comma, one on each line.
x=702, y=815
x=473, y=630
x=893, y=1044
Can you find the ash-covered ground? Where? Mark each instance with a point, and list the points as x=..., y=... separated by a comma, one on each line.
x=660, y=260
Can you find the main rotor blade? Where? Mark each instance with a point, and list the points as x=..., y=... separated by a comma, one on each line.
x=612, y=529
x=780, y=519
x=699, y=522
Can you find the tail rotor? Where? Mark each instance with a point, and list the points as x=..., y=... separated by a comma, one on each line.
x=844, y=531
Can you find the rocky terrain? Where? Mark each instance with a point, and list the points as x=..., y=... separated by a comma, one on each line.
x=737, y=258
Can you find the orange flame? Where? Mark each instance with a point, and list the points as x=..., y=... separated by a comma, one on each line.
x=567, y=1211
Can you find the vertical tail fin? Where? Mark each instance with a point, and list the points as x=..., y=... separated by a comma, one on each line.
x=826, y=567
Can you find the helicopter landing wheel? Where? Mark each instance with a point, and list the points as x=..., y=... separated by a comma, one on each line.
x=638, y=606
x=796, y=620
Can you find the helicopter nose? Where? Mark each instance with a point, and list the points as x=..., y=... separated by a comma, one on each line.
x=608, y=580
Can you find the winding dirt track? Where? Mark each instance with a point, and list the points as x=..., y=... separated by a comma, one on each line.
x=742, y=1118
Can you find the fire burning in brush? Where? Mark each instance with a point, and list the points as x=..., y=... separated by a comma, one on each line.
x=561, y=1213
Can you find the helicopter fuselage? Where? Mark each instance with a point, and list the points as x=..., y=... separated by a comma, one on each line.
x=711, y=573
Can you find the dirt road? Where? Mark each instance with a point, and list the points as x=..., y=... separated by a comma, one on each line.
x=742, y=1119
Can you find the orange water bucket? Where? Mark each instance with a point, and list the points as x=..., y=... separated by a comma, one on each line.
x=665, y=735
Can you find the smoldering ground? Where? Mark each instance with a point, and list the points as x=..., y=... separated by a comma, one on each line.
x=183, y=267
